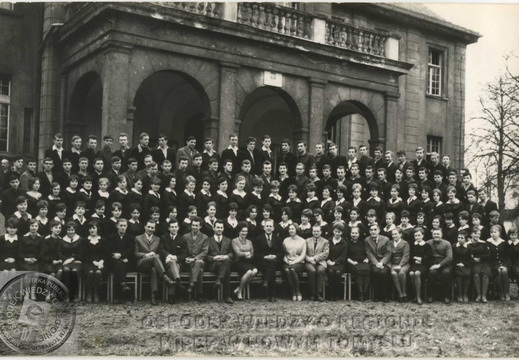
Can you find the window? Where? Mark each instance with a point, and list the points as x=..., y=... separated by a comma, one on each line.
x=5, y=107
x=434, y=144
x=434, y=72
x=7, y=5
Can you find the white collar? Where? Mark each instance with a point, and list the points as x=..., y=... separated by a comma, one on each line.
x=42, y=220
x=265, y=149
x=304, y=227
x=66, y=238
x=54, y=147
x=324, y=201
x=257, y=195
x=85, y=192
x=205, y=192
x=242, y=193
x=397, y=200
x=11, y=239
x=232, y=148
x=288, y=223
x=412, y=198
x=151, y=192
x=312, y=199
x=251, y=221
x=94, y=240
x=290, y=200
x=376, y=198
x=421, y=242
x=170, y=190
x=222, y=193
x=335, y=242
x=121, y=191
x=75, y=217
x=496, y=243
x=70, y=190
x=19, y=215
x=514, y=242
x=459, y=245
x=74, y=150
x=136, y=191
x=210, y=153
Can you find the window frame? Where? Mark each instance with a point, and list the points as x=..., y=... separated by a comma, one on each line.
x=430, y=144
x=6, y=100
x=440, y=67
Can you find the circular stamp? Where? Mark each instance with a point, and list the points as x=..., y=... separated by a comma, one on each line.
x=35, y=316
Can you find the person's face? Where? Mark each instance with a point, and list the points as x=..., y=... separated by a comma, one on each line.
x=301, y=148
x=363, y=151
x=218, y=229
x=354, y=234
x=401, y=159
x=451, y=194
x=148, y=160
x=284, y=216
x=422, y=175
x=206, y=186
x=409, y=173
x=92, y=144
x=394, y=193
x=208, y=145
x=389, y=220
x=267, y=169
x=412, y=192
x=83, y=164
x=448, y=222
x=381, y=175
x=18, y=164
x=144, y=141
x=116, y=165
x=240, y=184
x=404, y=220
x=313, y=173
x=31, y=166
x=80, y=211
x=482, y=196
x=268, y=227
x=388, y=157
x=251, y=145
x=77, y=143
x=476, y=234
x=246, y=168
x=108, y=142
x=233, y=141
x=56, y=230
x=100, y=211
x=369, y=173
x=36, y=185
x=195, y=226
x=173, y=214
x=435, y=160
x=193, y=214
x=452, y=179
x=182, y=165
x=466, y=179
x=316, y=231
x=214, y=166
x=283, y=170
x=266, y=214
x=352, y=153
x=149, y=228
x=61, y=214
x=191, y=186
x=373, y=192
x=333, y=150
x=378, y=154
x=58, y=142
x=399, y=175
x=116, y=213
x=471, y=198
x=437, y=235
x=319, y=149
x=436, y=223
x=300, y=170
x=71, y=231
x=122, y=226
x=258, y=189
x=154, y=170
x=326, y=193
x=341, y=173
x=425, y=195
x=438, y=179
x=356, y=193
x=513, y=236
x=310, y=194
x=418, y=236
x=228, y=167
x=285, y=147
x=446, y=161
x=56, y=190
x=14, y=183
x=123, y=141
x=5, y=164
x=103, y=186
x=253, y=214
x=99, y=165
x=395, y=235
x=420, y=219
x=223, y=186
x=243, y=232
x=233, y=213
x=135, y=214
x=372, y=219
x=476, y=221
x=292, y=230
x=267, y=142
x=138, y=185
x=340, y=194
x=197, y=162
x=494, y=233
x=211, y=211
x=43, y=211
x=22, y=207
x=48, y=165
x=419, y=154
x=373, y=230
x=463, y=221
x=163, y=142
x=133, y=166
x=92, y=231
x=292, y=194
x=326, y=173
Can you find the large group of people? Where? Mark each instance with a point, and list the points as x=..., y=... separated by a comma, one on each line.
x=164, y=212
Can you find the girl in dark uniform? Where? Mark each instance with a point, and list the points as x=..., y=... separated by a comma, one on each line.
x=462, y=264
x=94, y=253
x=51, y=263
x=499, y=261
x=70, y=251
x=419, y=269
x=480, y=269
x=337, y=260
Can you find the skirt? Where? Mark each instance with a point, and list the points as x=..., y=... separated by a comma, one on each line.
x=495, y=269
x=462, y=272
x=242, y=266
x=30, y=267
x=481, y=269
x=299, y=267
x=362, y=269
x=50, y=268
x=73, y=266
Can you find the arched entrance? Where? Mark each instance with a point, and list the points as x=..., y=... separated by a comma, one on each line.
x=351, y=123
x=86, y=103
x=173, y=103
x=269, y=111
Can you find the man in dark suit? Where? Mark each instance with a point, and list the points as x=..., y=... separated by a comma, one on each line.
x=212, y=174
x=390, y=166
x=266, y=152
x=320, y=158
x=90, y=152
x=317, y=250
x=253, y=155
x=56, y=152
x=287, y=157
x=378, y=254
x=123, y=152
x=379, y=159
x=120, y=248
x=219, y=260
x=231, y=153
x=420, y=160
x=488, y=206
x=47, y=177
x=301, y=180
x=198, y=247
x=148, y=258
x=209, y=153
x=365, y=159
x=106, y=152
x=163, y=151
x=268, y=255
x=336, y=159
x=246, y=168
x=141, y=150
x=173, y=251
x=435, y=165
x=473, y=206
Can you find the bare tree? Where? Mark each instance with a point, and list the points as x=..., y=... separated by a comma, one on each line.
x=494, y=144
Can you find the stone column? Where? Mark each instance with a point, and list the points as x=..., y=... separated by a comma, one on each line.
x=315, y=112
x=115, y=90
x=227, y=103
x=392, y=121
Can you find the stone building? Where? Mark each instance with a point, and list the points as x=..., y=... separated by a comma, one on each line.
x=382, y=74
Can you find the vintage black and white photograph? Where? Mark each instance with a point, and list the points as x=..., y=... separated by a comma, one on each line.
x=259, y=179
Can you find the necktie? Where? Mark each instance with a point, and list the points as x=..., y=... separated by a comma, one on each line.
x=269, y=241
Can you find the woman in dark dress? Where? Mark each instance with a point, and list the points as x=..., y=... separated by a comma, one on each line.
x=244, y=264
x=327, y=204
x=499, y=261
x=305, y=228
x=356, y=222
x=169, y=196
x=341, y=201
x=69, y=195
x=203, y=197
x=427, y=205
x=135, y=196
x=419, y=268
x=395, y=204
x=42, y=209
x=358, y=264
x=282, y=227
x=30, y=249
x=94, y=255
x=255, y=229
x=33, y=196
x=462, y=261
x=231, y=222
x=275, y=201
x=513, y=253
x=221, y=199
x=439, y=206
x=120, y=194
x=51, y=263
x=376, y=203
x=135, y=225
x=453, y=205
x=210, y=220
x=238, y=197
x=480, y=269
x=70, y=251
x=413, y=204
x=337, y=260
x=9, y=254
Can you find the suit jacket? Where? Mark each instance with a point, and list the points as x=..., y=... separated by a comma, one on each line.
x=58, y=162
x=256, y=160
x=124, y=246
x=228, y=154
x=197, y=247
x=377, y=252
x=158, y=156
x=45, y=183
x=476, y=208
x=186, y=152
x=319, y=251
x=261, y=248
x=142, y=247
x=399, y=253
x=225, y=248
x=339, y=160
x=364, y=161
x=170, y=246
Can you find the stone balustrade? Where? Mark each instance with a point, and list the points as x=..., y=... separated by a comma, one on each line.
x=356, y=39
x=210, y=9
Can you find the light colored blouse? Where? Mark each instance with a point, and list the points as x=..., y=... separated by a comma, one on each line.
x=295, y=249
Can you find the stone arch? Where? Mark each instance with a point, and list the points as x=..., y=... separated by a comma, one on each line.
x=174, y=103
x=85, y=110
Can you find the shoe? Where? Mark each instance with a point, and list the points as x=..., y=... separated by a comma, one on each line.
x=401, y=299
x=217, y=285
x=228, y=300
x=430, y=300
x=419, y=302
x=118, y=301
x=447, y=301
x=319, y=298
x=168, y=280
x=313, y=298
x=484, y=300
x=271, y=299
x=299, y=297
x=191, y=289
x=405, y=299
x=172, y=300
x=294, y=298
x=375, y=299
x=154, y=299
x=265, y=284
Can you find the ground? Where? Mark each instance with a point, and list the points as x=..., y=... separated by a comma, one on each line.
x=286, y=328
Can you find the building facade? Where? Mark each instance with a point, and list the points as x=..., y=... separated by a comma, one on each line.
x=381, y=74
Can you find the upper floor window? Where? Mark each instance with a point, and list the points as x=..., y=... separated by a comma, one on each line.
x=5, y=109
x=434, y=144
x=434, y=72
x=7, y=5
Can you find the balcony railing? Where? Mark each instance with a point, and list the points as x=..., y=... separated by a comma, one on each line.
x=353, y=38
x=274, y=18
x=285, y=21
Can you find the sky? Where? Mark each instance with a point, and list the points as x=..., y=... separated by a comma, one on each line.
x=499, y=26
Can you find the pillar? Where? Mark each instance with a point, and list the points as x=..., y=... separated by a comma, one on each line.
x=392, y=133
x=315, y=112
x=227, y=103
x=115, y=90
